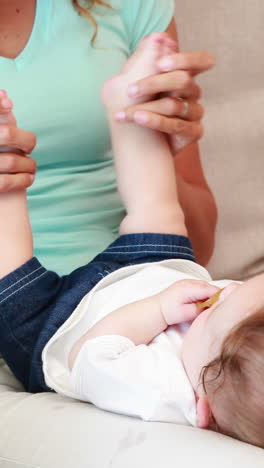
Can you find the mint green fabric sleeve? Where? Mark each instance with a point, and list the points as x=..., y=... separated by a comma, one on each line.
x=143, y=17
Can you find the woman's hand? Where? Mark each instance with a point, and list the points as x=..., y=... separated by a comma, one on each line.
x=175, y=109
x=16, y=168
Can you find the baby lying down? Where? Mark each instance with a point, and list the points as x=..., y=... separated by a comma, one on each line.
x=131, y=331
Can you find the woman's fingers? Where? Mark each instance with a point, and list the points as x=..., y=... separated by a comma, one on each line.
x=176, y=111
x=12, y=163
x=10, y=182
x=191, y=133
x=182, y=132
x=193, y=62
x=11, y=136
x=16, y=169
x=167, y=106
x=6, y=106
x=14, y=137
x=180, y=82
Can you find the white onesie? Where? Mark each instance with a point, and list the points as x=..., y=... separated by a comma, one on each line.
x=147, y=381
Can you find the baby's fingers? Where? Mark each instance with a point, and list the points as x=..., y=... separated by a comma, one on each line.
x=201, y=294
x=178, y=301
x=196, y=290
x=209, y=302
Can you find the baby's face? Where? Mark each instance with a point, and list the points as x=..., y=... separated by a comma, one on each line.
x=202, y=342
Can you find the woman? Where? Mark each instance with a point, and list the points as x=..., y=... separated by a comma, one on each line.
x=53, y=70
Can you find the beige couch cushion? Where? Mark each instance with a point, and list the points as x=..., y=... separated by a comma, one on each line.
x=48, y=431
x=233, y=147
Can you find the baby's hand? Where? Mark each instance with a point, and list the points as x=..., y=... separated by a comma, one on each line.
x=178, y=301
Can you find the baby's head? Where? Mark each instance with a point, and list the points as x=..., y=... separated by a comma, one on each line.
x=223, y=353
x=234, y=382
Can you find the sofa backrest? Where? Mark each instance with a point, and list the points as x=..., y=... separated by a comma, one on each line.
x=232, y=149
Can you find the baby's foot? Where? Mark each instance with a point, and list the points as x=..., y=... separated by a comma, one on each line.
x=141, y=64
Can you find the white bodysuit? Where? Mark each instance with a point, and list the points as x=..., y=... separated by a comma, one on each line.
x=146, y=381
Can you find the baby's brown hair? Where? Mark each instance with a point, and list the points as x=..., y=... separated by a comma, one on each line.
x=234, y=382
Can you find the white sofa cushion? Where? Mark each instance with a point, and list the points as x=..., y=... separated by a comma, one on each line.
x=47, y=431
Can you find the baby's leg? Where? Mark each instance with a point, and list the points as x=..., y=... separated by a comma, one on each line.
x=144, y=162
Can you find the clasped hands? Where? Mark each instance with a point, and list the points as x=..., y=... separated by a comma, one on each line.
x=175, y=109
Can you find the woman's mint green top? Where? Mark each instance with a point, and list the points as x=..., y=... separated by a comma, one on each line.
x=55, y=83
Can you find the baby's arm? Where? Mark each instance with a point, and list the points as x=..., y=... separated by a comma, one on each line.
x=16, y=245
x=146, y=181
x=143, y=159
x=139, y=321
x=142, y=320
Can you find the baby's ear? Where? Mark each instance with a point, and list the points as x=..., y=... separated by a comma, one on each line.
x=203, y=412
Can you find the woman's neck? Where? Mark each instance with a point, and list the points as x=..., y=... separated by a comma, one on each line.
x=16, y=23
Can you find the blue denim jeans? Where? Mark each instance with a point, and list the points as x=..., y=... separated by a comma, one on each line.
x=35, y=302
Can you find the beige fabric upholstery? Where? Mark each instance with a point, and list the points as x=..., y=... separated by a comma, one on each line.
x=48, y=431
x=233, y=147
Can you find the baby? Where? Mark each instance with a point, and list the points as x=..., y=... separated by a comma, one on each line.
x=125, y=332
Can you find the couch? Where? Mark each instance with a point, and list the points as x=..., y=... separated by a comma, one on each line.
x=48, y=431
